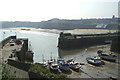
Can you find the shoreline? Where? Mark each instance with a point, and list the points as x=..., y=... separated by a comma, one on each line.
x=75, y=31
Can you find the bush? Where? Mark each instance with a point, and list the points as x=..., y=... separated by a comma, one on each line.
x=5, y=73
x=44, y=72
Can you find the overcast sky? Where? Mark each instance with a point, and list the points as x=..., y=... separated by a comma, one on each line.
x=38, y=10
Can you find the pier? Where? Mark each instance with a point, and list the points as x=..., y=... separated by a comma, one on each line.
x=12, y=53
x=69, y=41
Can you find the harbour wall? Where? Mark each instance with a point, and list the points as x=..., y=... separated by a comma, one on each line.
x=19, y=65
x=21, y=47
x=6, y=40
x=84, y=40
x=14, y=56
x=115, y=45
x=20, y=53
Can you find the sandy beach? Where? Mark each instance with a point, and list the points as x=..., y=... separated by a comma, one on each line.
x=75, y=31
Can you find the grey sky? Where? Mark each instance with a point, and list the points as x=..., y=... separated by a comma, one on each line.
x=38, y=10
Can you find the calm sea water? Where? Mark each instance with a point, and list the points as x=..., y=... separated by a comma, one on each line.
x=43, y=43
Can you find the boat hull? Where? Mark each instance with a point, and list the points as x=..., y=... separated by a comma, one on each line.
x=74, y=67
x=93, y=61
x=65, y=68
x=96, y=64
x=108, y=58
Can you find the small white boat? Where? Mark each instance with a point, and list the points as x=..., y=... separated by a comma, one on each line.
x=44, y=64
x=54, y=66
x=74, y=65
x=50, y=62
x=93, y=61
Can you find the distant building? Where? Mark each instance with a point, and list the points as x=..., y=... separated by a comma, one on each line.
x=101, y=26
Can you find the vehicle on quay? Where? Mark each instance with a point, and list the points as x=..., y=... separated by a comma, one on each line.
x=12, y=42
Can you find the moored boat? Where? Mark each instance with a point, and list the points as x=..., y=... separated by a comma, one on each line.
x=44, y=62
x=73, y=65
x=68, y=61
x=54, y=66
x=109, y=57
x=63, y=65
x=93, y=61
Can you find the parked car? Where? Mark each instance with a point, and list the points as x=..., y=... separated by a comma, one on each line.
x=12, y=43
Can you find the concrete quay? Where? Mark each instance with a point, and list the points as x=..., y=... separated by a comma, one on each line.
x=15, y=53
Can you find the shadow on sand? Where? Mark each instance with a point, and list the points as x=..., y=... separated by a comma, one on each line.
x=66, y=72
x=55, y=71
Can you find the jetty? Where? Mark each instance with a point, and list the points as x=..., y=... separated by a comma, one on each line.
x=12, y=53
x=72, y=41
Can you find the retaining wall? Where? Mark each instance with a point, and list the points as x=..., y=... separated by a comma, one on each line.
x=6, y=40
x=65, y=43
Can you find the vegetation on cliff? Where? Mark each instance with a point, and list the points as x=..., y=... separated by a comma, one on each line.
x=5, y=73
x=44, y=72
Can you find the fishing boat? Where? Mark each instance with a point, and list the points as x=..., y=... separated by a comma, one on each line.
x=44, y=62
x=54, y=66
x=93, y=61
x=109, y=57
x=63, y=65
x=68, y=61
x=98, y=58
x=73, y=65
x=51, y=60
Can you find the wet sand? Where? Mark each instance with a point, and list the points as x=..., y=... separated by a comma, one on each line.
x=75, y=31
x=110, y=69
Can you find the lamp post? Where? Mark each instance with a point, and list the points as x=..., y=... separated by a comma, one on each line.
x=16, y=34
x=3, y=38
x=3, y=35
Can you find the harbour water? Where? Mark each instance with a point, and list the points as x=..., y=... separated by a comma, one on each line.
x=43, y=43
